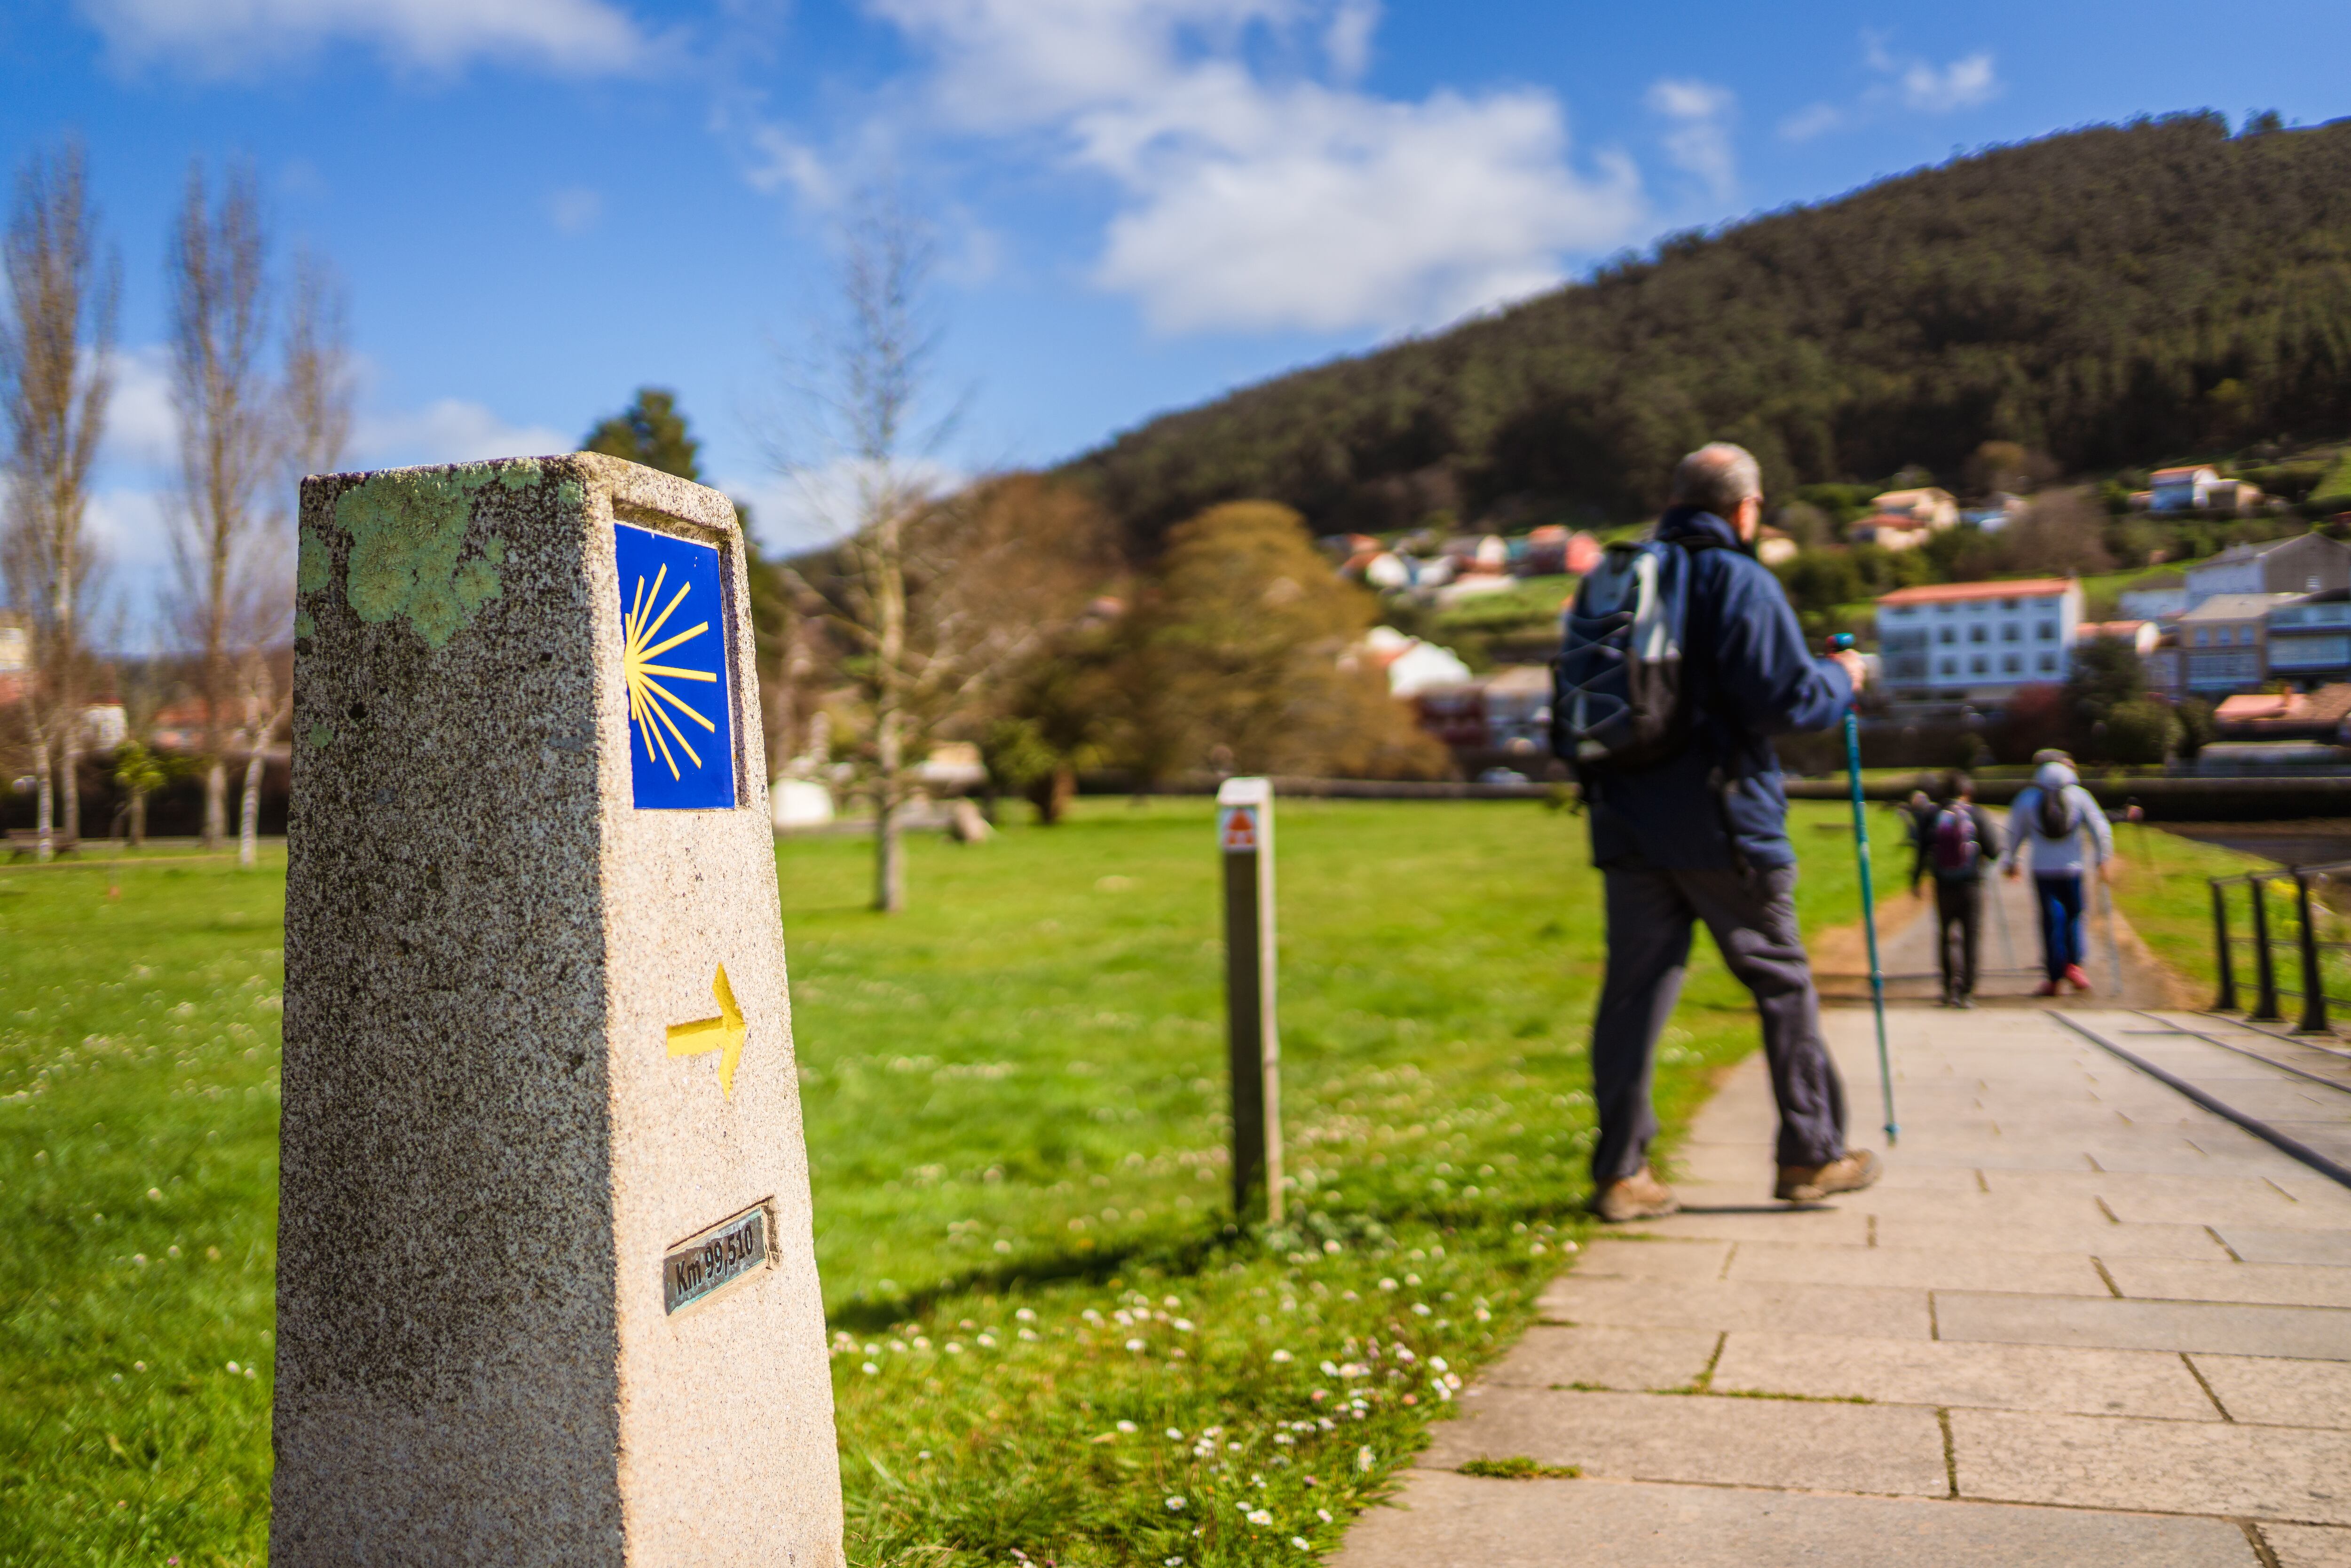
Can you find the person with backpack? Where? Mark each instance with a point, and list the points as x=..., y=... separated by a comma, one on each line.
x=1919, y=814
x=1680, y=658
x=2054, y=815
x=1960, y=841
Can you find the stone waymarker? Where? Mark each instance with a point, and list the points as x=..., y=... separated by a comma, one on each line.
x=547, y=1290
x=1245, y=843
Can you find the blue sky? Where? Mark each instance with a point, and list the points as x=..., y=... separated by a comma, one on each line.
x=539, y=204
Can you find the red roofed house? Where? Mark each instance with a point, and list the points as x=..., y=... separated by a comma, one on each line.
x=1978, y=642
x=2186, y=489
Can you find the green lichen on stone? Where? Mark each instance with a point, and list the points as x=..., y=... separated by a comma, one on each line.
x=303, y=625
x=320, y=737
x=408, y=548
x=570, y=493
x=313, y=567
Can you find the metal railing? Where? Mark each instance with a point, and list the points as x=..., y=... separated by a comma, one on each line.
x=2312, y=949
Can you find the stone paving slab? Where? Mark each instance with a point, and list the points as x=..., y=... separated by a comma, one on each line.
x=1797, y=1308
x=1453, y=1518
x=2256, y=1246
x=2309, y=1545
x=1611, y=1259
x=2282, y=1473
x=2275, y=1284
x=2150, y=1384
x=1627, y=1359
x=1947, y=1269
x=2095, y=1238
x=1891, y=1449
x=2270, y=1390
x=2317, y=1334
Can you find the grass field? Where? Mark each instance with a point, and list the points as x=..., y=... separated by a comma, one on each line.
x=1046, y=1336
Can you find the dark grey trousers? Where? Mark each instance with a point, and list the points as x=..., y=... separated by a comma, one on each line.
x=1752, y=915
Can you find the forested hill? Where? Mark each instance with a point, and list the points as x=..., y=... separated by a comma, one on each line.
x=2109, y=296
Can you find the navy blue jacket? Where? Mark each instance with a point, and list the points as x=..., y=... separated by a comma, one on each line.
x=1748, y=676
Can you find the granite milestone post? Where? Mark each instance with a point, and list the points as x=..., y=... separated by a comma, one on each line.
x=547, y=1290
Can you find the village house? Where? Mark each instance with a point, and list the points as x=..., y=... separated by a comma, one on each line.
x=2222, y=639
x=1904, y=519
x=2185, y=489
x=2306, y=563
x=2309, y=639
x=1976, y=643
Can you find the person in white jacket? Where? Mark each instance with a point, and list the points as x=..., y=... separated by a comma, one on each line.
x=2057, y=824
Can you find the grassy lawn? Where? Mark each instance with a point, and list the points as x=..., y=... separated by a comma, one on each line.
x=2162, y=886
x=1527, y=602
x=1047, y=1335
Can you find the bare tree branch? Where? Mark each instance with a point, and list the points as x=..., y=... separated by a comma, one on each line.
x=230, y=445
x=56, y=348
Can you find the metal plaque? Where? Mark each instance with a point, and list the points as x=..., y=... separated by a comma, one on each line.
x=708, y=1261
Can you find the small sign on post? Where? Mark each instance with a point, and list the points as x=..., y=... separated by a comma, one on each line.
x=1245, y=840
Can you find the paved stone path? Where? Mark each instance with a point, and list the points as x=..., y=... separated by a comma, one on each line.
x=2008, y=957
x=2081, y=1321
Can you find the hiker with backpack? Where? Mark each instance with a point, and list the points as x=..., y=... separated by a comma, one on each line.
x=2054, y=815
x=1680, y=659
x=1959, y=843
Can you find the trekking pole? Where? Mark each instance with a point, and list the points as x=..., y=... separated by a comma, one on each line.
x=1842, y=642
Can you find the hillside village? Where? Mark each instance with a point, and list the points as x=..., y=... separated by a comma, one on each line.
x=2236, y=624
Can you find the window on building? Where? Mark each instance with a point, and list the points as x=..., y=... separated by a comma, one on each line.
x=2048, y=631
x=1975, y=633
x=2011, y=633
x=1950, y=634
x=2008, y=604
x=2012, y=664
x=2048, y=664
x=1981, y=665
x=1951, y=666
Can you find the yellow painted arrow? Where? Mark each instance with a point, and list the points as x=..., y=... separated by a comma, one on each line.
x=723, y=1034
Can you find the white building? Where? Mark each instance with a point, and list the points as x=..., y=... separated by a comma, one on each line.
x=1978, y=642
x=1413, y=667
x=2182, y=489
x=2306, y=563
x=2310, y=640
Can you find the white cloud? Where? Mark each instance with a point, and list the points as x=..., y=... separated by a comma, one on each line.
x=1962, y=84
x=817, y=505
x=1699, y=142
x=238, y=38
x=1348, y=39
x=1252, y=201
x=131, y=527
x=575, y=209
x=451, y=431
x=1813, y=119
x=1902, y=82
x=141, y=430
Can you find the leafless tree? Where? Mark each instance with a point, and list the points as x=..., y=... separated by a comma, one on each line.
x=319, y=390
x=868, y=386
x=314, y=426
x=56, y=348
x=228, y=424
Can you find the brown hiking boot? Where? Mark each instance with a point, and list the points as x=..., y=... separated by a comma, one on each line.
x=1640, y=1195
x=1810, y=1184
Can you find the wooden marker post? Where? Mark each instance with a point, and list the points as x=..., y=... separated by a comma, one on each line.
x=1245, y=840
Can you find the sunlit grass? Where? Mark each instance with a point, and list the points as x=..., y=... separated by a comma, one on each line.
x=1014, y=1097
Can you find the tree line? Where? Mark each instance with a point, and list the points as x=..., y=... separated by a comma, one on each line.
x=260, y=381
x=2163, y=287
